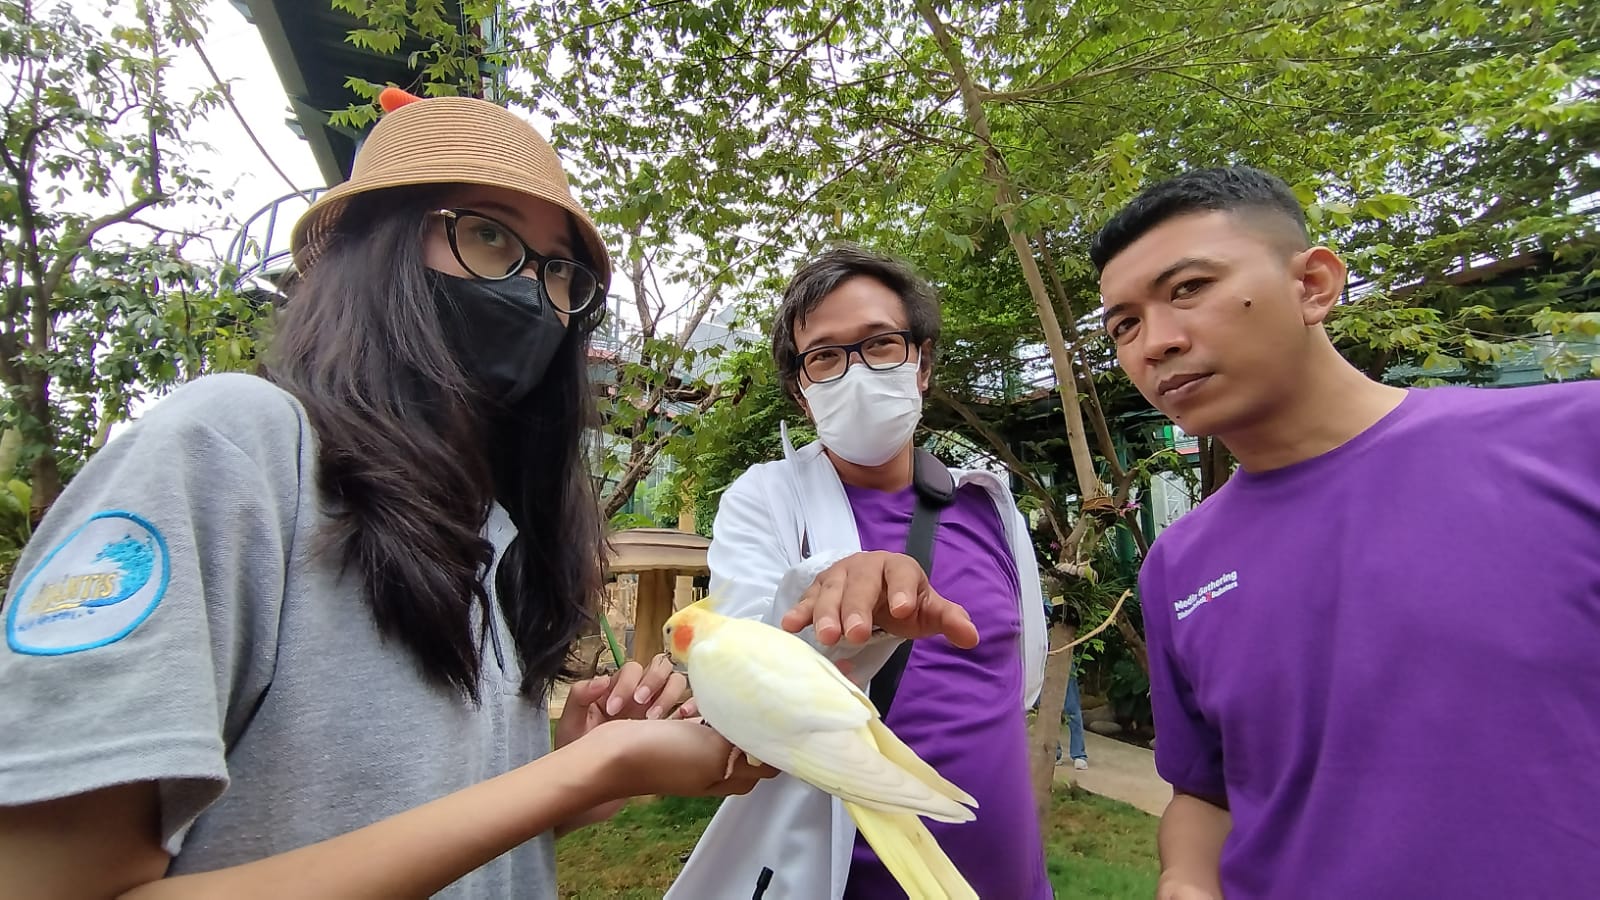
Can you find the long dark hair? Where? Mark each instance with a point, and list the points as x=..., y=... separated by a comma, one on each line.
x=411, y=458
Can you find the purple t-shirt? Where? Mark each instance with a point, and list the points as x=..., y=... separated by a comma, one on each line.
x=1387, y=657
x=961, y=710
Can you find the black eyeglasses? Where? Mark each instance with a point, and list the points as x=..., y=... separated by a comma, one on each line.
x=887, y=350
x=489, y=250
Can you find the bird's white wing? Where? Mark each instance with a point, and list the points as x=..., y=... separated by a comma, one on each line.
x=850, y=766
x=755, y=682
x=777, y=699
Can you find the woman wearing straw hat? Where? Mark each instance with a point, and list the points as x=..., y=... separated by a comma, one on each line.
x=292, y=635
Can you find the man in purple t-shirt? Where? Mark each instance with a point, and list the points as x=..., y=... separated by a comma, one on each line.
x=1375, y=652
x=854, y=344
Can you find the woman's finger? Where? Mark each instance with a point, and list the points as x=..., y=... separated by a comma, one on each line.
x=654, y=679
x=675, y=687
x=624, y=683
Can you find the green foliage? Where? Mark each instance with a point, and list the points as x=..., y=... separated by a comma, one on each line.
x=16, y=527
x=1446, y=150
x=738, y=137
x=98, y=305
x=453, y=63
x=1129, y=692
x=738, y=432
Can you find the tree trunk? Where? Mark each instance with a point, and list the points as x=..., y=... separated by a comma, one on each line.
x=46, y=485
x=1090, y=489
x=44, y=473
x=1097, y=417
x=1046, y=734
x=1141, y=653
x=1047, y=502
x=1089, y=485
x=1216, y=464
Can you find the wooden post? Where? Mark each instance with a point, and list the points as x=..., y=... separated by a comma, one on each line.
x=658, y=556
x=650, y=613
x=683, y=594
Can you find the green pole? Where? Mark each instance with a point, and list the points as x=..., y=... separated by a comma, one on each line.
x=611, y=640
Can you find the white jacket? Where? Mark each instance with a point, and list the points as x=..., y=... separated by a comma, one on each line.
x=803, y=834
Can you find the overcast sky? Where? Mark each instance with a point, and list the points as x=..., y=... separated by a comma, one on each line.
x=235, y=49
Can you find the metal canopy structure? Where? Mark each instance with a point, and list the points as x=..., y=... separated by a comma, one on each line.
x=306, y=41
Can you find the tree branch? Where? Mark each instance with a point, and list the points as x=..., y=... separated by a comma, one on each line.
x=588, y=26
x=644, y=457
x=227, y=96
x=1017, y=467
x=1097, y=416
x=1089, y=486
x=75, y=243
x=1116, y=610
x=1083, y=376
x=1139, y=62
x=1130, y=635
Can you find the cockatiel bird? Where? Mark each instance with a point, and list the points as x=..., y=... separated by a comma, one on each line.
x=780, y=702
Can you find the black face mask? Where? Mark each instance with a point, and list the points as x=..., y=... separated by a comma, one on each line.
x=504, y=333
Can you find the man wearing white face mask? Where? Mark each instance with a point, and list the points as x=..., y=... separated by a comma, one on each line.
x=826, y=542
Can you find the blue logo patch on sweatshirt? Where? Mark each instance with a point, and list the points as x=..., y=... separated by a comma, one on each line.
x=92, y=589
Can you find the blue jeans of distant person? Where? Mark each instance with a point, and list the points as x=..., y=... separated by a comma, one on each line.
x=1073, y=716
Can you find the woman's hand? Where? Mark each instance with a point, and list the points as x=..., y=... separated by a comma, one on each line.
x=676, y=758
x=633, y=692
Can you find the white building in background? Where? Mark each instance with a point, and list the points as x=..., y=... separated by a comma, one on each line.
x=1170, y=494
x=615, y=342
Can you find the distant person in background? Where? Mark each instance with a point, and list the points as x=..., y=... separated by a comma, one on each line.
x=1071, y=713
x=1336, y=633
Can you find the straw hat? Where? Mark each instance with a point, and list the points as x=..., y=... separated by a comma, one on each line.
x=447, y=140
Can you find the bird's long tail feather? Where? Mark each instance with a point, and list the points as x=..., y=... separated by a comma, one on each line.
x=911, y=854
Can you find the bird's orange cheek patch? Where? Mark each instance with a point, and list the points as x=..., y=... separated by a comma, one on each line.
x=681, y=636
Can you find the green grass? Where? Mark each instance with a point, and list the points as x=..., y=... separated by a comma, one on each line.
x=1100, y=848
x=636, y=854
x=1095, y=848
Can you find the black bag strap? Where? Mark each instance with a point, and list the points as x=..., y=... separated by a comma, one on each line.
x=935, y=489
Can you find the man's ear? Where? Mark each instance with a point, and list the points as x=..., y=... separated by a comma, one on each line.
x=925, y=366
x=1321, y=275
x=799, y=398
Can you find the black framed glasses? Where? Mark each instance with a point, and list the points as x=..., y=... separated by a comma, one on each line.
x=880, y=352
x=490, y=250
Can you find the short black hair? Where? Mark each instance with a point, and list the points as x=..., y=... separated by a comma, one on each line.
x=823, y=275
x=1229, y=189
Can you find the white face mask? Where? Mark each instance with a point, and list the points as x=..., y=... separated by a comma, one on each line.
x=868, y=415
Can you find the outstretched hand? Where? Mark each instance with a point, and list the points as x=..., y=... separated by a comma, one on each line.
x=882, y=589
